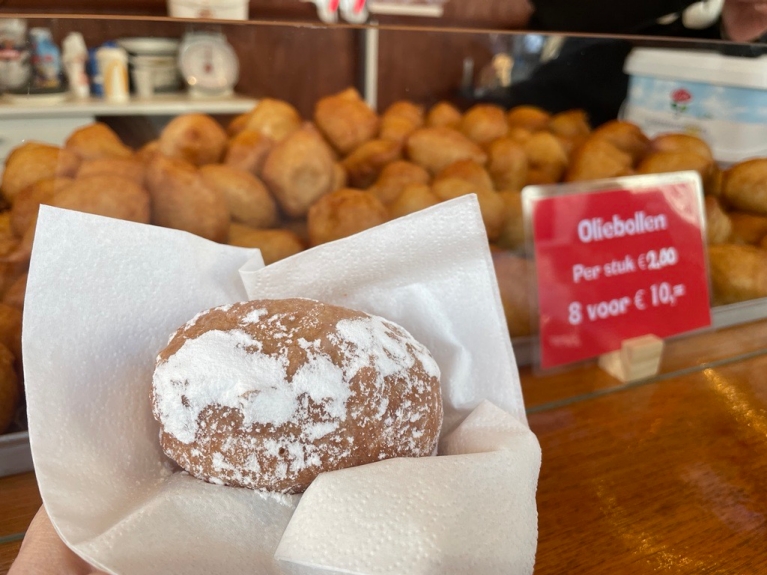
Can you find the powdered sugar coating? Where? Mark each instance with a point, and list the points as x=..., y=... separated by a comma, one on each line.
x=268, y=394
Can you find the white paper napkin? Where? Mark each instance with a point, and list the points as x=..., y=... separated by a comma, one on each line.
x=104, y=295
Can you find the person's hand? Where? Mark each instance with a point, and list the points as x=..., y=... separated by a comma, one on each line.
x=744, y=20
x=44, y=553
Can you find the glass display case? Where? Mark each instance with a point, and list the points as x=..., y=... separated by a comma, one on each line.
x=397, y=118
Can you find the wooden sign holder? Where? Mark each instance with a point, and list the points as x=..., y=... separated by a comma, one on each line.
x=638, y=358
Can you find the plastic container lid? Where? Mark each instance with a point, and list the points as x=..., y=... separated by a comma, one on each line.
x=695, y=66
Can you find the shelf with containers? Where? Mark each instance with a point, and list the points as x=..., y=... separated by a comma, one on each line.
x=299, y=157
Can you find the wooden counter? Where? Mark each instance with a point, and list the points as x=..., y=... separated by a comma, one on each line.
x=662, y=476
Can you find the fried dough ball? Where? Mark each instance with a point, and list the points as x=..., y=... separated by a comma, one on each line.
x=182, y=201
x=29, y=200
x=97, y=141
x=129, y=168
x=109, y=196
x=248, y=151
x=6, y=228
x=484, y=123
x=681, y=143
x=715, y=183
x=469, y=171
x=512, y=234
x=664, y=162
x=400, y=120
x=194, y=138
x=32, y=162
x=9, y=389
x=545, y=154
x=14, y=295
x=572, y=124
x=340, y=178
x=746, y=228
x=248, y=199
x=625, y=136
x=513, y=274
x=148, y=151
x=298, y=227
x=237, y=125
x=414, y=197
x=718, y=224
x=346, y=120
x=274, y=119
x=443, y=115
x=395, y=177
x=344, y=213
x=299, y=170
x=275, y=245
x=530, y=118
x=744, y=186
x=436, y=148
x=519, y=135
x=12, y=268
x=596, y=159
x=738, y=273
x=10, y=329
x=507, y=164
x=490, y=203
x=365, y=163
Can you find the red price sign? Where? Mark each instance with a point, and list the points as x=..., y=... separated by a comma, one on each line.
x=617, y=263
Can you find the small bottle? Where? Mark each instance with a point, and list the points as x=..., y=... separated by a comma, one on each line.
x=46, y=59
x=113, y=65
x=75, y=55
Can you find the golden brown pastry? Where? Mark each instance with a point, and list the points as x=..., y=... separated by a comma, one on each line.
x=301, y=388
x=530, y=118
x=394, y=177
x=513, y=274
x=744, y=186
x=469, y=171
x=490, y=203
x=512, y=234
x=625, y=136
x=400, y=120
x=194, y=138
x=182, y=201
x=275, y=245
x=344, y=213
x=545, y=154
x=365, y=163
x=299, y=170
x=745, y=228
x=6, y=228
x=412, y=198
x=10, y=329
x=570, y=124
x=738, y=273
x=274, y=119
x=718, y=224
x=148, y=151
x=507, y=164
x=109, y=196
x=9, y=389
x=663, y=162
x=97, y=141
x=32, y=162
x=596, y=159
x=237, y=125
x=248, y=199
x=248, y=151
x=681, y=143
x=484, y=123
x=436, y=148
x=340, y=178
x=10, y=270
x=519, y=135
x=443, y=115
x=29, y=200
x=130, y=168
x=346, y=120
x=14, y=295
